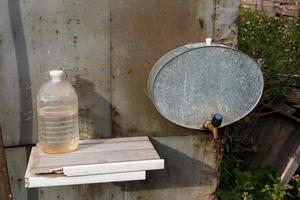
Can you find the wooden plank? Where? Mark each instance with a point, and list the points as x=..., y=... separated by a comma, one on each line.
x=48, y=181
x=291, y=167
x=296, y=79
x=276, y=138
x=32, y=180
x=191, y=172
x=115, y=140
x=101, y=151
x=297, y=106
x=282, y=112
x=109, y=168
x=54, y=162
x=109, y=147
x=294, y=96
x=287, y=109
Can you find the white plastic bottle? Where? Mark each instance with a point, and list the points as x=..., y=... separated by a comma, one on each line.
x=57, y=107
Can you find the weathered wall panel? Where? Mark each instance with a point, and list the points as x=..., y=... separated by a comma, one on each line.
x=107, y=49
x=16, y=164
x=142, y=32
x=190, y=173
x=39, y=36
x=5, y=192
x=9, y=80
x=72, y=35
x=225, y=31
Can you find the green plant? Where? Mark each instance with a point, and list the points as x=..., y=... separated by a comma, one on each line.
x=239, y=184
x=259, y=184
x=294, y=193
x=275, y=41
x=276, y=191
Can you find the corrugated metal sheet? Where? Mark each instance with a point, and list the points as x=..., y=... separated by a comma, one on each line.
x=191, y=168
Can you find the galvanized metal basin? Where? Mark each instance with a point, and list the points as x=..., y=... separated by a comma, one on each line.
x=191, y=83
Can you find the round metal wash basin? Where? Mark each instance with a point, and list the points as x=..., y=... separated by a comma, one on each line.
x=190, y=84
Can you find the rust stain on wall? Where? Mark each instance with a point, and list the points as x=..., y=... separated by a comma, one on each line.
x=5, y=193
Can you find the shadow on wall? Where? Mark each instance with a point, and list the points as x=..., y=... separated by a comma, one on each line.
x=94, y=111
x=181, y=171
x=16, y=25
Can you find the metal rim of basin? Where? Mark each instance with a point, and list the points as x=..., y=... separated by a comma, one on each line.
x=168, y=58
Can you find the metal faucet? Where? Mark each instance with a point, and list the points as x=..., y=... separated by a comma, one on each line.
x=213, y=124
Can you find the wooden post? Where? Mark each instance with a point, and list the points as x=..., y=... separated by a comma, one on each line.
x=291, y=167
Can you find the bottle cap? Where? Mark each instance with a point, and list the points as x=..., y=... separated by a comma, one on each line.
x=56, y=73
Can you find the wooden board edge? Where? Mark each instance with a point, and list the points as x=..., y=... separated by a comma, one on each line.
x=49, y=181
x=83, y=170
x=115, y=140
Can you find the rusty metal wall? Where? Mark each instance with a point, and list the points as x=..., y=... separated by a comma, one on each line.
x=107, y=48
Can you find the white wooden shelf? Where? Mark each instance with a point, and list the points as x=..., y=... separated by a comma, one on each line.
x=95, y=161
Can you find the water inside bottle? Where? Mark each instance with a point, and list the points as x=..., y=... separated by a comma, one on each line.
x=58, y=126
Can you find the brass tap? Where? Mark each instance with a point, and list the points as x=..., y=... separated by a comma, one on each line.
x=213, y=124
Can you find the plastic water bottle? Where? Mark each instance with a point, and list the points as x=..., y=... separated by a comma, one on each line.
x=57, y=106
